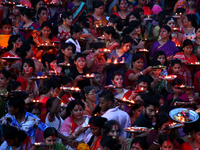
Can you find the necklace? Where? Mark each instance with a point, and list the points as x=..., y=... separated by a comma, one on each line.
x=13, y=53
x=67, y=30
x=110, y=43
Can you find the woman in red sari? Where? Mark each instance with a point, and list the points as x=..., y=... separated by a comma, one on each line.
x=28, y=68
x=132, y=75
x=93, y=139
x=64, y=28
x=195, y=144
x=187, y=57
x=45, y=37
x=14, y=42
x=109, y=33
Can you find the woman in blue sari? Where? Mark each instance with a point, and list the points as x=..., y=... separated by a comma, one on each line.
x=119, y=55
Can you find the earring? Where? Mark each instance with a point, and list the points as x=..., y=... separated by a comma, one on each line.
x=189, y=136
x=110, y=38
x=64, y=22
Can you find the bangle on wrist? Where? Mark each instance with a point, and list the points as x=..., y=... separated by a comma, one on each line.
x=154, y=142
x=73, y=134
x=58, y=98
x=141, y=73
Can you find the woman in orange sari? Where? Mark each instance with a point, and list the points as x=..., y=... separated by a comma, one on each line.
x=46, y=36
x=109, y=33
x=96, y=126
x=187, y=57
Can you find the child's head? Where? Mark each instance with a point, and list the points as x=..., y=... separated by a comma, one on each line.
x=187, y=47
x=6, y=26
x=76, y=32
x=117, y=79
x=160, y=56
x=97, y=78
x=176, y=66
x=178, y=82
x=156, y=72
x=137, y=61
x=80, y=61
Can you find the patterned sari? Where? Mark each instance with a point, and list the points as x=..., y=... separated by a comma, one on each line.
x=113, y=46
x=77, y=11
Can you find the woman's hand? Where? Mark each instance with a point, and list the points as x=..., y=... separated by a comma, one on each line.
x=81, y=130
x=142, y=43
x=148, y=69
x=185, y=61
x=79, y=78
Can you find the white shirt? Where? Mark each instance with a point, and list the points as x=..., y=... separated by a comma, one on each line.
x=120, y=116
x=56, y=123
x=76, y=43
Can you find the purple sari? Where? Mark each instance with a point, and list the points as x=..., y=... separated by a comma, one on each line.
x=169, y=48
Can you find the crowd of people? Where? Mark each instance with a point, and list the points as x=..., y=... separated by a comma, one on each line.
x=74, y=77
